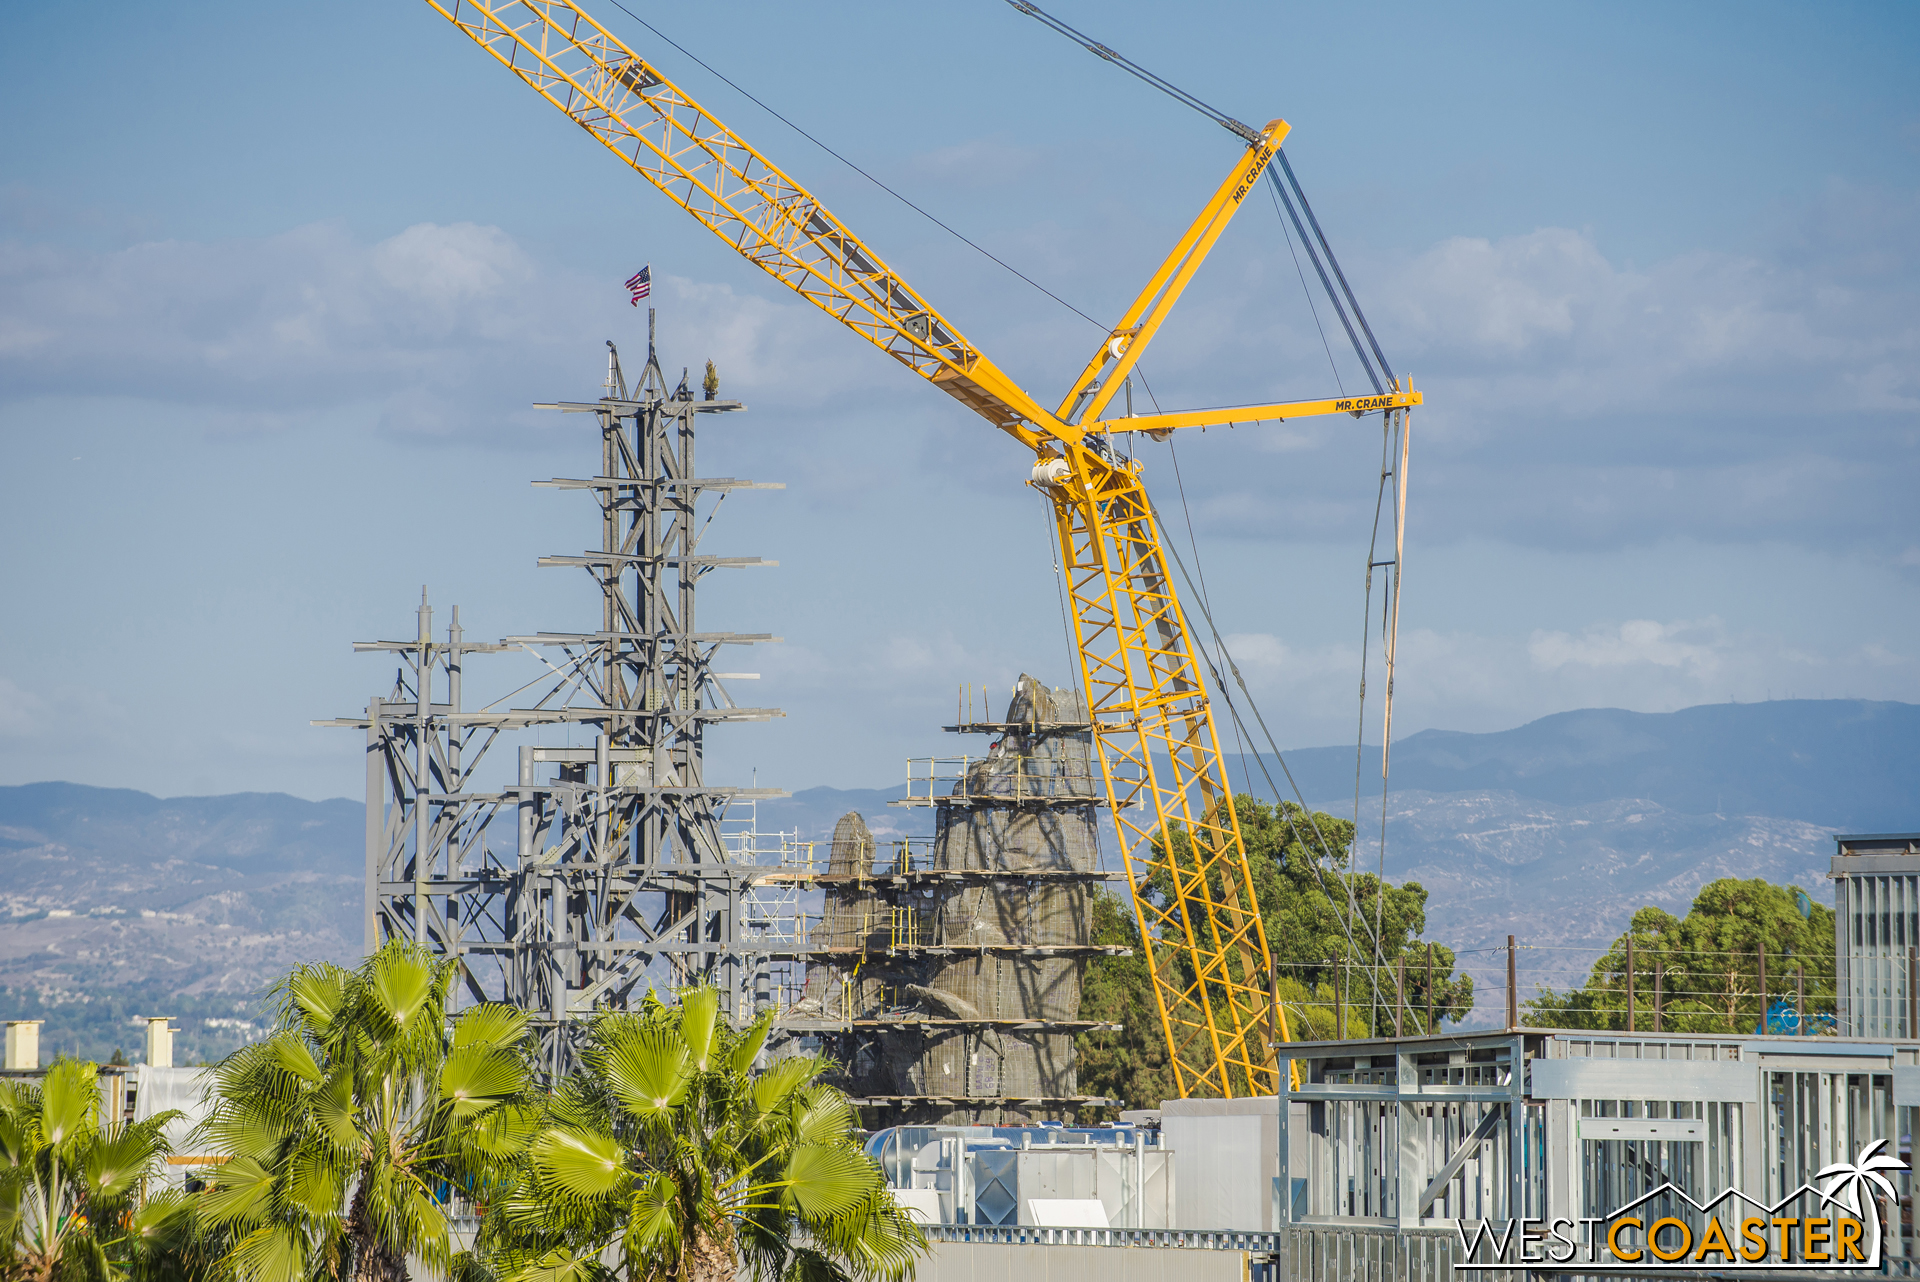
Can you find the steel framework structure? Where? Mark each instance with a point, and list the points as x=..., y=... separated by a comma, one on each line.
x=604, y=865
x=1152, y=718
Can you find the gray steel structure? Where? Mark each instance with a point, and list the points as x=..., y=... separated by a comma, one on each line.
x=1876, y=927
x=1388, y=1147
x=599, y=868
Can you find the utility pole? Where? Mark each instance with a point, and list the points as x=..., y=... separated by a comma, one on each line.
x=1273, y=1004
x=1631, y=1022
x=1399, y=995
x=1513, y=988
x=1340, y=1001
x=1429, y=987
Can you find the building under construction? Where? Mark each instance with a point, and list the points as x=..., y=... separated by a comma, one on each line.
x=598, y=861
x=946, y=977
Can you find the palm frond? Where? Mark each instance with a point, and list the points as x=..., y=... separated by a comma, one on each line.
x=69, y=1102
x=314, y=996
x=775, y=1086
x=490, y=1025
x=242, y=1192
x=113, y=1165
x=578, y=1163
x=271, y=1253
x=826, y=1181
x=476, y=1078
x=747, y=1047
x=822, y=1115
x=649, y=1072
x=655, y=1218
x=699, y=1013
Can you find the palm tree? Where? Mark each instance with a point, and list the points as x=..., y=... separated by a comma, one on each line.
x=670, y=1155
x=364, y=1089
x=68, y=1183
x=1846, y=1181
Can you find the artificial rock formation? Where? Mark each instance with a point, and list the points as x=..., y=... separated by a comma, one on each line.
x=953, y=974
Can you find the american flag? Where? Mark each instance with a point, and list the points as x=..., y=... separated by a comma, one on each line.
x=641, y=283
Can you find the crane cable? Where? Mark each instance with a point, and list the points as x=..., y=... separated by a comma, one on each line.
x=1133, y=68
x=1220, y=683
x=1199, y=593
x=1378, y=371
x=1380, y=375
x=1251, y=135
x=748, y=95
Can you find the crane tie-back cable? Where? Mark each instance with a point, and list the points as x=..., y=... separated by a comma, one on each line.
x=1377, y=375
x=1133, y=68
x=856, y=169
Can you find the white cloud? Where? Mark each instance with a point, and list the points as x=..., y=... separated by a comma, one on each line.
x=35, y=719
x=980, y=162
x=1479, y=681
x=20, y=710
x=447, y=329
x=1574, y=400
x=1578, y=400
x=1546, y=322
x=1694, y=645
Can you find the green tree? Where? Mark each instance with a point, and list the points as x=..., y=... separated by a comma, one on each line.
x=1320, y=920
x=69, y=1185
x=672, y=1158
x=364, y=1090
x=1128, y=1063
x=1707, y=964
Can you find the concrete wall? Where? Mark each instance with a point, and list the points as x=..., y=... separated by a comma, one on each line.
x=997, y=1262
x=1225, y=1158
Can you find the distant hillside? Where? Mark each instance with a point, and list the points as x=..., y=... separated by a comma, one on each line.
x=110, y=897
x=1564, y=879
x=812, y=812
x=1845, y=762
x=112, y=901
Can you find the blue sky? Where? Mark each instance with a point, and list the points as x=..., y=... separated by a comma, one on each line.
x=278, y=286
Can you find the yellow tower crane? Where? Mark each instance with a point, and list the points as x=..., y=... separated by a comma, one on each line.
x=1167, y=785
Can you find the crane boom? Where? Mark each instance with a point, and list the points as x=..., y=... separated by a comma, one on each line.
x=1153, y=728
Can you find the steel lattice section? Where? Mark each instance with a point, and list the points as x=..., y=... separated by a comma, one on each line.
x=1157, y=742
x=609, y=871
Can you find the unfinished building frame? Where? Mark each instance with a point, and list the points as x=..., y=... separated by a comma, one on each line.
x=604, y=864
x=949, y=975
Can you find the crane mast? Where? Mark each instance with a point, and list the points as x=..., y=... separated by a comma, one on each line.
x=1153, y=728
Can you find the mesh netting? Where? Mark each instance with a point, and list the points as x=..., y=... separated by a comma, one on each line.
x=1037, y=762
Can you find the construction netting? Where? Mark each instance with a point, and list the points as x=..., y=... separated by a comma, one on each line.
x=1019, y=812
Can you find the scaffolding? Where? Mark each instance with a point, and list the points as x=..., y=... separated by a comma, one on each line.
x=608, y=865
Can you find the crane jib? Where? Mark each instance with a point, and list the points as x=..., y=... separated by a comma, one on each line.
x=1159, y=751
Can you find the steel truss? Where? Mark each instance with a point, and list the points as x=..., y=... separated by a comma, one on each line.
x=1169, y=792
x=604, y=865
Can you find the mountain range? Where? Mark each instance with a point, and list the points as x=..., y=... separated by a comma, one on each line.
x=113, y=902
